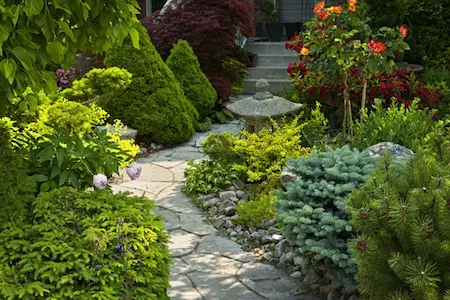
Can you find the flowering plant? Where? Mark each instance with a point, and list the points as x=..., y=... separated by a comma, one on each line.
x=339, y=41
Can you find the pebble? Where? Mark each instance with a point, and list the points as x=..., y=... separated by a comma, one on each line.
x=297, y=275
x=240, y=194
x=213, y=210
x=229, y=211
x=227, y=195
x=211, y=202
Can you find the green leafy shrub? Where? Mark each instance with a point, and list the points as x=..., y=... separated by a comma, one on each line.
x=402, y=218
x=208, y=176
x=397, y=124
x=196, y=86
x=154, y=102
x=16, y=188
x=312, y=211
x=253, y=212
x=439, y=79
x=264, y=154
x=62, y=159
x=219, y=147
x=86, y=245
x=97, y=83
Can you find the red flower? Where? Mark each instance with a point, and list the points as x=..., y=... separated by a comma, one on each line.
x=403, y=30
x=319, y=7
x=323, y=15
x=377, y=47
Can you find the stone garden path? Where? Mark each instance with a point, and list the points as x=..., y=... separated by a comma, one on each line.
x=206, y=265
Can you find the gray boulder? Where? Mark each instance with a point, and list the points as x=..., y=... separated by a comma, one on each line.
x=397, y=152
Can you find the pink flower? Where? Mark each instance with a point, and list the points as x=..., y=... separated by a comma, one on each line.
x=134, y=171
x=100, y=181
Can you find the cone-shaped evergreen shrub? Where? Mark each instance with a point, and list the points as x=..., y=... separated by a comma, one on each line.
x=154, y=102
x=16, y=188
x=186, y=68
x=86, y=245
x=402, y=216
x=312, y=211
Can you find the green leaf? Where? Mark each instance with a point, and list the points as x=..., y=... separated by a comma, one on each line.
x=134, y=34
x=66, y=28
x=45, y=154
x=5, y=31
x=39, y=177
x=60, y=157
x=25, y=58
x=73, y=179
x=33, y=7
x=55, y=172
x=56, y=51
x=47, y=27
x=45, y=187
x=9, y=68
x=62, y=4
x=63, y=178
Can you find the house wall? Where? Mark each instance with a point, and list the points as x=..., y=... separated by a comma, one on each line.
x=296, y=10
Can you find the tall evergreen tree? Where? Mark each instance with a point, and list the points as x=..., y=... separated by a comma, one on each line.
x=196, y=86
x=154, y=102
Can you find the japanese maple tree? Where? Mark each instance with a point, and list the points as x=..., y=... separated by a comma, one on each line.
x=210, y=27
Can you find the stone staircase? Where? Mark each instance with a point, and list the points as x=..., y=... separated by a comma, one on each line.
x=271, y=64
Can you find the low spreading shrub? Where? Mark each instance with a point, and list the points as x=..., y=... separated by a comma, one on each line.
x=86, y=245
x=397, y=124
x=255, y=211
x=204, y=126
x=196, y=86
x=208, y=176
x=97, y=83
x=312, y=211
x=402, y=216
x=154, y=102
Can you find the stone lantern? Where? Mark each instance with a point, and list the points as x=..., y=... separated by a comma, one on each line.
x=263, y=106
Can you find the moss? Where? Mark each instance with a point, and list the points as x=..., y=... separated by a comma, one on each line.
x=196, y=86
x=154, y=102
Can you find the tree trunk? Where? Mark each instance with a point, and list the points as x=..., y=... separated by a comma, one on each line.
x=363, y=100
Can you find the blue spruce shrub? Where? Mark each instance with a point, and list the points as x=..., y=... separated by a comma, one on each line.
x=86, y=245
x=312, y=210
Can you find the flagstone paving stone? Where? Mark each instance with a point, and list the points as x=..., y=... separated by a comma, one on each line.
x=206, y=266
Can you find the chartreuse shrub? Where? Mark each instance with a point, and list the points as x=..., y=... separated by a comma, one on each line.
x=16, y=188
x=154, y=102
x=97, y=83
x=86, y=245
x=208, y=176
x=264, y=154
x=398, y=124
x=196, y=86
x=312, y=210
x=402, y=218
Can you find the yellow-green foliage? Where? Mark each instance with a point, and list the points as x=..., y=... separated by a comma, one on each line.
x=264, y=154
x=73, y=116
x=252, y=213
x=196, y=86
x=97, y=83
x=124, y=145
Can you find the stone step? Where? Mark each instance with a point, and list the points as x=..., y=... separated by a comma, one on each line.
x=271, y=72
x=268, y=48
x=275, y=85
x=267, y=60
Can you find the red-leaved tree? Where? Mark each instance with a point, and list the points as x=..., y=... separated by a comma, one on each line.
x=210, y=28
